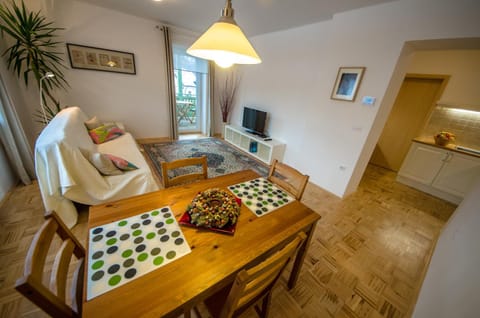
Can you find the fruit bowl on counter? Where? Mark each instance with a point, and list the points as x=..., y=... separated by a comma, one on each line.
x=443, y=138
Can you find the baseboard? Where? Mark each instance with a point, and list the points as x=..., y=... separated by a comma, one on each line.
x=430, y=190
x=153, y=140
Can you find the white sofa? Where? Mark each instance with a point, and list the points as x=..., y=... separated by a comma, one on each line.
x=65, y=175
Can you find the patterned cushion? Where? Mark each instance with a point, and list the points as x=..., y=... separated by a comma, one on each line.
x=121, y=163
x=105, y=133
x=101, y=162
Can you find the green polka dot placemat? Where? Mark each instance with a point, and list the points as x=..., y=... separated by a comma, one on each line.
x=261, y=196
x=124, y=250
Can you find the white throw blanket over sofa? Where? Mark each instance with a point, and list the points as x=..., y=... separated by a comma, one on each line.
x=65, y=175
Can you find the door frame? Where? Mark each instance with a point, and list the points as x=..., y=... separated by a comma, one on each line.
x=444, y=82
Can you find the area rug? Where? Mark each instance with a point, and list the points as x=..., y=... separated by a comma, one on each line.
x=221, y=157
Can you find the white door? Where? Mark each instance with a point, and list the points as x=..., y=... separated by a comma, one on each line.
x=413, y=104
x=191, y=91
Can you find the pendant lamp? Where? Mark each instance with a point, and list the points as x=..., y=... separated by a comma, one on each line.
x=225, y=43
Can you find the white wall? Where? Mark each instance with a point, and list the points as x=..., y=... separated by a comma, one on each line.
x=462, y=65
x=332, y=140
x=452, y=285
x=137, y=100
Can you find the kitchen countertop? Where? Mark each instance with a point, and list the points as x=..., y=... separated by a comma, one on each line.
x=452, y=147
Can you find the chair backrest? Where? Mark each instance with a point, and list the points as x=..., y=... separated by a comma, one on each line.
x=288, y=178
x=53, y=298
x=184, y=178
x=255, y=283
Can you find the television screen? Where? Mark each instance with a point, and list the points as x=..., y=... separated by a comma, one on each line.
x=254, y=120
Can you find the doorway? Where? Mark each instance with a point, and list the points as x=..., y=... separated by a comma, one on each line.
x=413, y=105
x=191, y=92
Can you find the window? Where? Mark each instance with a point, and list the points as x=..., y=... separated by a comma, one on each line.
x=191, y=90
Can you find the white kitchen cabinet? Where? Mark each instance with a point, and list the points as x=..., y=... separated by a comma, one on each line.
x=422, y=163
x=441, y=172
x=264, y=150
x=458, y=173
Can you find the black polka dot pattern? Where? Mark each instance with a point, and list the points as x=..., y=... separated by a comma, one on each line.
x=261, y=196
x=140, y=248
x=113, y=269
x=124, y=237
x=129, y=262
x=126, y=249
x=130, y=273
x=98, y=230
x=112, y=249
x=97, y=255
x=98, y=275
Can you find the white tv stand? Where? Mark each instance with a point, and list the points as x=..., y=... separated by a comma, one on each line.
x=266, y=150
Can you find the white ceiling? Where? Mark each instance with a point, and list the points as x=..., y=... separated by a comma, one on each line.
x=253, y=16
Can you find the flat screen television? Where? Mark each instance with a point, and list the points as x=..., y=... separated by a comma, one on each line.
x=254, y=121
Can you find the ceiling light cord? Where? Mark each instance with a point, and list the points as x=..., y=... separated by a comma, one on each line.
x=228, y=12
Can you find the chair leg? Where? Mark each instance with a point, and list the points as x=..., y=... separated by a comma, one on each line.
x=197, y=312
x=265, y=310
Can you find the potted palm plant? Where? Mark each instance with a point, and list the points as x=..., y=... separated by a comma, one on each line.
x=34, y=52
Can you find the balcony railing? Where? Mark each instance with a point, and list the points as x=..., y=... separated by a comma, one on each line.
x=186, y=112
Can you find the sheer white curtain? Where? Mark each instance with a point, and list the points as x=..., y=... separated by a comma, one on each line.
x=13, y=138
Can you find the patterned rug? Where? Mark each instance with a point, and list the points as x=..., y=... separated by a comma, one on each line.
x=221, y=157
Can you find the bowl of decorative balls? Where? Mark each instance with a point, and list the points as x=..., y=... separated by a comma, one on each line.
x=443, y=138
x=214, y=209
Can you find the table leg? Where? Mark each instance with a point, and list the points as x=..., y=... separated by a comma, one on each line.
x=302, y=251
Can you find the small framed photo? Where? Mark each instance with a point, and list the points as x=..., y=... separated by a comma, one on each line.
x=97, y=59
x=347, y=83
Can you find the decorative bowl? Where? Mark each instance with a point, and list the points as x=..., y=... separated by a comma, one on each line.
x=443, y=138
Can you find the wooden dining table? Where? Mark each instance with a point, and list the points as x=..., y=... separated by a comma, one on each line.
x=214, y=260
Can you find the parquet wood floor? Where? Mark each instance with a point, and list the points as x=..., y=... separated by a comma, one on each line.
x=367, y=259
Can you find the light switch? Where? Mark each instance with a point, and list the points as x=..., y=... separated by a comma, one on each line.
x=368, y=100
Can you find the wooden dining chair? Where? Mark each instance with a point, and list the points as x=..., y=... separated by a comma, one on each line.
x=52, y=298
x=252, y=285
x=184, y=178
x=288, y=178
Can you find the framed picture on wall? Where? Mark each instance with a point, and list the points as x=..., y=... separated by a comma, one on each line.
x=347, y=83
x=97, y=59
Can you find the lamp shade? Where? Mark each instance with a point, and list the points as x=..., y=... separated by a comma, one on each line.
x=225, y=43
